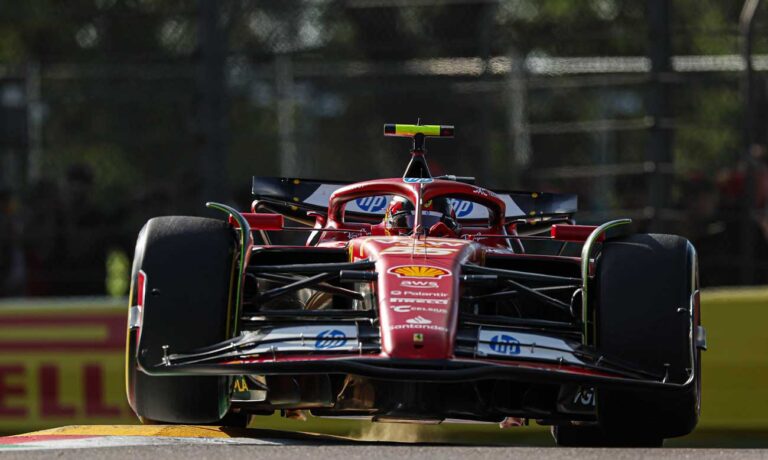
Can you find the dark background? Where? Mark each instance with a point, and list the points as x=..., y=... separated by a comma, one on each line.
x=115, y=111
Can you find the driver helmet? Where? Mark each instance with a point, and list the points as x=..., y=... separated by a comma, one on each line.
x=400, y=214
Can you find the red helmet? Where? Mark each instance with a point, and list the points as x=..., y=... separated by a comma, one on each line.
x=401, y=213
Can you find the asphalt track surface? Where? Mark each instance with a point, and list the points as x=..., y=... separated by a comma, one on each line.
x=206, y=443
x=380, y=452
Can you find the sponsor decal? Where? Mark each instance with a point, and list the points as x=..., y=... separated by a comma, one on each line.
x=576, y=399
x=240, y=385
x=418, y=320
x=419, y=271
x=372, y=204
x=585, y=396
x=417, y=300
x=505, y=344
x=523, y=345
x=417, y=180
x=480, y=191
x=304, y=338
x=415, y=308
x=419, y=284
x=329, y=339
x=461, y=207
x=426, y=294
x=63, y=365
x=418, y=293
x=418, y=337
x=430, y=327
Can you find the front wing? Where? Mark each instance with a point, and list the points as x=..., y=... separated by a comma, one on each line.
x=352, y=348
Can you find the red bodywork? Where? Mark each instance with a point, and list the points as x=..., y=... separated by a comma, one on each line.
x=418, y=284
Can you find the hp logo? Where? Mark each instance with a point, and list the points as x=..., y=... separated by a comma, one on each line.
x=462, y=208
x=329, y=339
x=505, y=344
x=372, y=203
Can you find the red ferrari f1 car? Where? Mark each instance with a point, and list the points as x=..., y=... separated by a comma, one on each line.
x=416, y=299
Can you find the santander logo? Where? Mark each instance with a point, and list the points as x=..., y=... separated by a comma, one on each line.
x=418, y=320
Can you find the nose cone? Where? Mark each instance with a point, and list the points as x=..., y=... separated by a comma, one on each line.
x=417, y=312
x=417, y=293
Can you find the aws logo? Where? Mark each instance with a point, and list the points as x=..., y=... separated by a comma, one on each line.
x=419, y=271
x=419, y=284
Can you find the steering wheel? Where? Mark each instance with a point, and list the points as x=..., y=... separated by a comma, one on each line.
x=440, y=230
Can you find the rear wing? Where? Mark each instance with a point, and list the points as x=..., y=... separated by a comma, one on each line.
x=294, y=197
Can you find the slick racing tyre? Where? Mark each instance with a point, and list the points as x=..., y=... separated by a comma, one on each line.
x=186, y=265
x=642, y=292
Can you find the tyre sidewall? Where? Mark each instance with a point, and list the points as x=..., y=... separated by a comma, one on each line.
x=188, y=265
x=642, y=283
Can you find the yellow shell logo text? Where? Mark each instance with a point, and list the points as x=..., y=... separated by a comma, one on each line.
x=419, y=271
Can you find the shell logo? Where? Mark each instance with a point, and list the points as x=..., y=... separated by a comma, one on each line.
x=419, y=271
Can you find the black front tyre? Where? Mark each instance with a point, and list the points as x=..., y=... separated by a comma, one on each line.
x=642, y=294
x=188, y=264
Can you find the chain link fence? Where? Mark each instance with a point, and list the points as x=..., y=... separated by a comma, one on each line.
x=124, y=110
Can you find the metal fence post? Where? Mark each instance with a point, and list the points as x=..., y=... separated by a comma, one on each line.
x=659, y=149
x=212, y=116
x=748, y=230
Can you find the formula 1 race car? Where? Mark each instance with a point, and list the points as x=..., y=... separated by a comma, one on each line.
x=416, y=299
